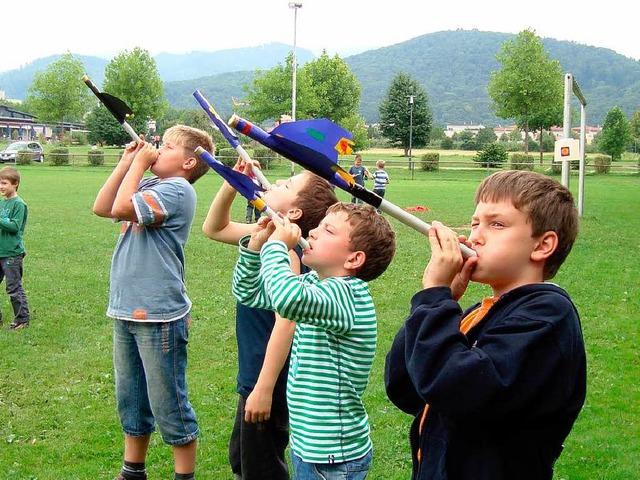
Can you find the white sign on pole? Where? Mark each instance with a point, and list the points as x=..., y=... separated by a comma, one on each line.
x=566, y=149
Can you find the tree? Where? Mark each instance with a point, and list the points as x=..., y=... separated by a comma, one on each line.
x=269, y=96
x=399, y=121
x=635, y=128
x=485, y=135
x=134, y=79
x=528, y=84
x=325, y=88
x=544, y=120
x=616, y=133
x=103, y=128
x=58, y=93
x=335, y=87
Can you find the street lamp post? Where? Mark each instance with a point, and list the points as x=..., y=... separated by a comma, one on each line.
x=295, y=6
x=411, y=134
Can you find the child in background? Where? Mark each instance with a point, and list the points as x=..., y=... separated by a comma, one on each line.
x=380, y=179
x=335, y=337
x=359, y=173
x=13, y=221
x=147, y=297
x=494, y=389
x=261, y=429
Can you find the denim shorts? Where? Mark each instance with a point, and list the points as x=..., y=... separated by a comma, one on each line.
x=150, y=362
x=352, y=470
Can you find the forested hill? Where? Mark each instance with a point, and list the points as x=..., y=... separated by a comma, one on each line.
x=454, y=67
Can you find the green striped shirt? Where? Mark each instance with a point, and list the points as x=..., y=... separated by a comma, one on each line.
x=332, y=352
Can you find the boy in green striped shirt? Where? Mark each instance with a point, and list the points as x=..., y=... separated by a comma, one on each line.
x=336, y=333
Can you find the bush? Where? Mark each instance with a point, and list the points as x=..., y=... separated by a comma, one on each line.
x=446, y=143
x=23, y=157
x=265, y=156
x=556, y=167
x=493, y=156
x=521, y=161
x=602, y=163
x=228, y=156
x=59, y=156
x=430, y=162
x=95, y=157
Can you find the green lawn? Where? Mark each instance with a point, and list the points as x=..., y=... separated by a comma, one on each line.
x=57, y=412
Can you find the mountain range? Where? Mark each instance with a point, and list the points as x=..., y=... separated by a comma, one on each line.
x=454, y=67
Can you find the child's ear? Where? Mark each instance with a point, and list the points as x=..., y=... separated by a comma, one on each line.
x=189, y=163
x=294, y=214
x=546, y=245
x=355, y=260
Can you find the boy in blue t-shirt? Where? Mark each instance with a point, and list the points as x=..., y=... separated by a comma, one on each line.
x=147, y=297
x=359, y=173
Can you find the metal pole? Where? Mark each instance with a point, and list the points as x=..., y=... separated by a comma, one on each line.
x=411, y=134
x=295, y=7
x=568, y=83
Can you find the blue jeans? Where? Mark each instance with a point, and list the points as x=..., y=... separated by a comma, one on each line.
x=11, y=272
x=150, y=362
x=353, y=470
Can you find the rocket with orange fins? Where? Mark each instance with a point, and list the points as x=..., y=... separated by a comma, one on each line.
x=315, y=145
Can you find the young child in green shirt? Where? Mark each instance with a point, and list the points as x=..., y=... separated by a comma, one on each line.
x=13, y=220
x=336, y=332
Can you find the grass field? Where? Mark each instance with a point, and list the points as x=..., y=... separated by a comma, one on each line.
x=57, y=411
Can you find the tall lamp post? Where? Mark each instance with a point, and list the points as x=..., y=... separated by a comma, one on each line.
x=411, y=134
x=295, y=6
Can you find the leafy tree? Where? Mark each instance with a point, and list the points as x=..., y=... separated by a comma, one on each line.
x=467, y=140
x=544, y=120
x=397, y=114
x=616, y=133
x=335, y=87
x=133, y=78
x=635, y=125
x=325, y=88
x=485, y=135
x=269, y=96
x=58, y=94
x=529, y=82
x=103, y=128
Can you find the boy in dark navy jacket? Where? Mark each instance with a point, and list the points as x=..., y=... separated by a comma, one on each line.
x=495, y=389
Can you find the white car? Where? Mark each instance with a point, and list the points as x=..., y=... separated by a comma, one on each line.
x=10, y=153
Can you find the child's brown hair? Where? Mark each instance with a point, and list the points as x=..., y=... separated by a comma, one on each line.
x=12, y=175
x=370, y=233
x=313, y=200
x=548, y=204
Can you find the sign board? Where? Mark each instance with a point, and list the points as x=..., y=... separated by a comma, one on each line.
x=566, y=149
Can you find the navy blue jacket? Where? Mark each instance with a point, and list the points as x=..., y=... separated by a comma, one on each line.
x=502, y=398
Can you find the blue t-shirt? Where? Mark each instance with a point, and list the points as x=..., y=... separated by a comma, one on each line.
x=148, y=267
x=253, y=330
x=358, y=174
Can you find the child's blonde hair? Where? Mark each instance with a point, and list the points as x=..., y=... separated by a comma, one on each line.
x=189, y=138
x=380, y=164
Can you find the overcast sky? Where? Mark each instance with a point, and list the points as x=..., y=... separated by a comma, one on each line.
x=38, y=29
